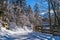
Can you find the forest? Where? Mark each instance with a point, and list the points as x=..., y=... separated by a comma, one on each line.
x=42, y=17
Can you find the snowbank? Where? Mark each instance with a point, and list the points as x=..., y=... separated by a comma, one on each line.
x=20, y=31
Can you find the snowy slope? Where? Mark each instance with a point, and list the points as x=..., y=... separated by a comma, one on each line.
x=24, y=34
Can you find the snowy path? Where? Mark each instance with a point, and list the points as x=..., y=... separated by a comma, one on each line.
x=30, y=36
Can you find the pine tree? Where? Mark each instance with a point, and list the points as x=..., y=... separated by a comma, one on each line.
x=36, y=8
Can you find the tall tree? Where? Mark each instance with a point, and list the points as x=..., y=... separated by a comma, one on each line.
x=54, y=7
x=37, y=16
x=29, y=13
x=36, y=10
x=49, y=9
x=29, y=9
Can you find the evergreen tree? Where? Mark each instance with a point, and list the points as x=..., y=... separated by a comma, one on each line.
x=36, y=8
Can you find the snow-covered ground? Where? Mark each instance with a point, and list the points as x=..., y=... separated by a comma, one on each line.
x=24, y=34
x=21, y=35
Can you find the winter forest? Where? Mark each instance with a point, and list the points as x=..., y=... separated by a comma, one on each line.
x=19, y=13
x=29, y=19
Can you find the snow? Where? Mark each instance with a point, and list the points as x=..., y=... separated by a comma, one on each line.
x=53, y=38
x=4, y=33
x=19, y=31
x=14, y=30
x=22, y=35
x=25, y=33
x=13, y=35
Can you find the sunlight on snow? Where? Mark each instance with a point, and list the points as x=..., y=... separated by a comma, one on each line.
x=19, y=31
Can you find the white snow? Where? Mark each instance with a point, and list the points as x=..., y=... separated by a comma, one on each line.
x=14, y=29
x=20, y=33
x=14, y=33
x=53, y=38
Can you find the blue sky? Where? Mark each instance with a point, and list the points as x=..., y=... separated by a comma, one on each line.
x=31, y=3
x=42, y=4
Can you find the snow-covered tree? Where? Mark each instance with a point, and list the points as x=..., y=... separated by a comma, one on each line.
x=37, y=16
